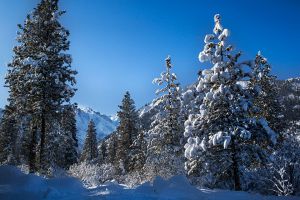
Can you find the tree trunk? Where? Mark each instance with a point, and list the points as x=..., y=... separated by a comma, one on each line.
x=32, y=150
x=43, y=137
x=291, y=175
x=236, y=175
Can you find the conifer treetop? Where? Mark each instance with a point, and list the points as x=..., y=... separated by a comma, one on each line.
x=166, y=77
x=215, y=48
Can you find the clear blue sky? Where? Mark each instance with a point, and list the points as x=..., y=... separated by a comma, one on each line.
x=121, y=45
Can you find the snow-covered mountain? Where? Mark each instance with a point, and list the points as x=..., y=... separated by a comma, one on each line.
x=104, y=124
x=290, y=98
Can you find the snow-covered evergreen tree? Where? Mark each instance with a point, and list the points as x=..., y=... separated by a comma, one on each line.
x=164, y=151
x=40, y=78
x=224, y=142
x=127, y=133
x=90, y=152
x=266, y=98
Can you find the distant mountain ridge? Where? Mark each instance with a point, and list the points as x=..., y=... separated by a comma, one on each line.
x=104, y=124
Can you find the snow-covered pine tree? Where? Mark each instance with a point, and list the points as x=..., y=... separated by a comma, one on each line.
x=266, y=98
x=68, y=126
x=40, y=78
x=224, y=143
x=164, y=151
x=127, y=132
x=90, y=152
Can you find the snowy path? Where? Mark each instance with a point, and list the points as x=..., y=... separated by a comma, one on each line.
x=14, y=185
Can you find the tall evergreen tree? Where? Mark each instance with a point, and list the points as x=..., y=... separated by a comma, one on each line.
x=164, y=152
x=224, y=142
x=267, y=98
x=40, y=78
x=69, y=130
x=172, y=103
x=90, y=152
x=127, y=132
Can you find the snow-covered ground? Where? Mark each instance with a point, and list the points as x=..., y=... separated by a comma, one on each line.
x=16, y=185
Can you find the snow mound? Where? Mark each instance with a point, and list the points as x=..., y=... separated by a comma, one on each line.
x=19, y=186
x=16, y=185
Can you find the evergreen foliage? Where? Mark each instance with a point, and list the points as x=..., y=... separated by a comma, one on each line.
x=111, y=148
x=232, y=114
x=265, y=88
x=8, y=137
x=68, y=124
x=128, y=132
x=40, y=80
x=164, y=151
x=224, y=142
x=90, y=152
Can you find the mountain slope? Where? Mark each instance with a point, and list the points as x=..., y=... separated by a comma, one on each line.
x=104, y=124
x=289, y=91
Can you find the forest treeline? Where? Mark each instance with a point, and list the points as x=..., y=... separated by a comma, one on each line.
x=229, y=130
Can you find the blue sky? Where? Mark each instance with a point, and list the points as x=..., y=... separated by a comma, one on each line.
x=121, y=45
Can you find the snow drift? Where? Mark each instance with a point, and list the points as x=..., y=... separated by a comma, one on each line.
x=16, y=185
